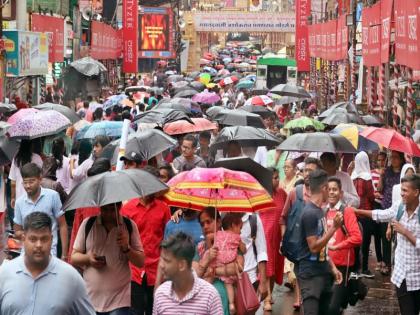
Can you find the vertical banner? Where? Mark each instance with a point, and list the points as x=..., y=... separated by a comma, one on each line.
x=342, y=38
x=386, y=13
x=371, y=35
x=303, y=10
x=331, y=39
x=312, y=40
x=130, y=27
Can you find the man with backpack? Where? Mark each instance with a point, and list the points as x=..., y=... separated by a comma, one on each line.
x=405, y=222
x=341, y=247
x=104, y=247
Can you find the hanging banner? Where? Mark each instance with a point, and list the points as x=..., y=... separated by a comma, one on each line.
x=312, y=40
x=386, y=13
x=105, y=43
x=130, y=27
x=407, y=33
x=54, y=27
x=324, y=32
x=342, y=43
x=331, y=40
x=371, y=35
x=303, y=10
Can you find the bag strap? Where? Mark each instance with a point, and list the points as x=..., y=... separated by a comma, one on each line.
x=253, y=224
x=400, y=211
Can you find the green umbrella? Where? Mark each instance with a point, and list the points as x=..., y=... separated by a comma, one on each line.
x=303, y=122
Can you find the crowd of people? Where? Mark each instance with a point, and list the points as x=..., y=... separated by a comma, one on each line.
x=142, y=256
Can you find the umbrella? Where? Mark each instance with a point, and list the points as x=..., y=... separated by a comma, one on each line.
x=347, y=106
x=227, y=60
x=224, y=189
x=39, y=124
x=147, y=143
x=290, y=90
x=206, y=97
x=186, y=93
x=259, y=110
x=303, y=122
x=246, y=136
x=351, y=133
x=197, y=86
x=114, y=100
x=81, y=124
x=285, y=100
x=103, y=128
x=8, y=149
x=182, y=126
x=175, y=78
x=183, y=104
x=66, y=111
x=6, y=107
x=259, y=100
x=341, y=116
x=4, y=127
x=88, y=66
x=245, y=164
x=245, y=84
x=391, y=139
x=236, y=117
x=179, y=84
x=210, y=70
x=372, y=120
x=156, y=90
x=204, y=78
x=20, y=114
x=228, y=80
x=251, y=77
x=317, y=142
x=111, y=187
x=223, y=72
x=161, y=116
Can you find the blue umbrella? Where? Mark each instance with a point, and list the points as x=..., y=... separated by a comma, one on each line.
x=251, y=77
x=114, y=100
x=227, y=60
x=210, y=70
x=104, y=128
x=245, y=84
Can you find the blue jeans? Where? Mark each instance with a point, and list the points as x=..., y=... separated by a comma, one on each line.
x=118, y=311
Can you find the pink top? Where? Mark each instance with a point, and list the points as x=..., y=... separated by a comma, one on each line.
x=63, y=175
x=227, y=243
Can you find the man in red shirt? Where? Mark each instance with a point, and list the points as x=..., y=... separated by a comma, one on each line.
x=341, y=246
x=151, y=216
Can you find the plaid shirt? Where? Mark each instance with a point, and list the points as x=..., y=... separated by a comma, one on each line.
x=407, y=255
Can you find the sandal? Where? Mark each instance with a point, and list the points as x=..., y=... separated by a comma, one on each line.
x=267, y=306
x=289, y=285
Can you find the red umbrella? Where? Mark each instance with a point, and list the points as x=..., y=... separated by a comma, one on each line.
x=208, y=56
x=391, y=139
x=183, y=126
x=229, y=80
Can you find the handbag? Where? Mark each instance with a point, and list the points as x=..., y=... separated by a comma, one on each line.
x=247, y=302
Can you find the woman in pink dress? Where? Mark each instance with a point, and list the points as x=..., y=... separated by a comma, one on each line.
x=271, y=222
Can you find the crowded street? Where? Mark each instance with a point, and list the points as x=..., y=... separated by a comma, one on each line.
x=236, y=157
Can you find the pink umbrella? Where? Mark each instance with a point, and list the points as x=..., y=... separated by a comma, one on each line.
x=183, y=126
x=223, y=72
x=206, y=97
x=22, y=113
x=204, y=62
x=259, y=100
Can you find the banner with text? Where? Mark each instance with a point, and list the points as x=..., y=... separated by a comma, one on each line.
x=54, y=28
x=130, y=27
x=386, y=14
x=106, y=43
x=303, y=10
x=371, y=35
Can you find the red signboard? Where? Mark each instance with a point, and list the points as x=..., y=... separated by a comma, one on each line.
x=407, y=33
x=331, y=40
x=371, y=35
x=54, y=27
x=342, y=38
x=312, y=40
x=303, y=10
x=386, y=14
x=130, y=26
x=105, y=43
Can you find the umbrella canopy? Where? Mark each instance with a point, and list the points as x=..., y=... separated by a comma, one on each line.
x=104, y=128
x=224, y=189
x=391, y=139
x=372, y=120
x=351, y=133
x=341, y=116
x=196, y=85
x=245, y=84
x=259, y=100
x=6, y=107
x=182, y=126
x=20, y=114
x=317, y=142
x=236, y=117
x=111, y=187
x=290, y=90
x=228, y=80
x=175, y=78
x=114, y=100
x=210, y=70
x=347, y=106
x=4, y=126
x=285, y=100
x=186, y=93
x=161, y=116
x=88, y=66
x=147, y=144
x=245, y=164
x=204, y=78
x=179, y=84
x=303, y=122
x=246, y=136
x=81, y=124
x=206, y=97
x=8, y=149
x=39, y=124
x=259, y=110
x=183, y=104
x=66, y=111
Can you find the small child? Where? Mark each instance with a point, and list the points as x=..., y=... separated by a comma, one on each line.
x=228, y=243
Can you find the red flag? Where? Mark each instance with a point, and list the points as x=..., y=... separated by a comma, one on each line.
x=130, y=30
x=303, y=10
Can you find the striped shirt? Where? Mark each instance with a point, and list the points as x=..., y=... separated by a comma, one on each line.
x=203, y=299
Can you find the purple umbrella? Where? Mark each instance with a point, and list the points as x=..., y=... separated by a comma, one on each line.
x=39, y=124
x=206, y=97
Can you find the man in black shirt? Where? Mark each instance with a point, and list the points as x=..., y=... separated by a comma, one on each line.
x=314, y=271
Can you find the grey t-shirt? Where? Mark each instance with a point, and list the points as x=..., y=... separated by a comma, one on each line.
x=180, y=162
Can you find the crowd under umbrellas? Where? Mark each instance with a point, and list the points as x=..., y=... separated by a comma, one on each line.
x=202, y=105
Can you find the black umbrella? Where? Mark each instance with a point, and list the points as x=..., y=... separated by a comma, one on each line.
x=194, y=74
x=88, y=66
x=147, y=144
x=259, y=110
x=156, y=90
x=245, y=164
x=8, y=149
x=186, y=93
x=372, y=120
x=213, y=111
x=341, y=116
x=161, y=116
x=66, y=111
x=4, y=126
x=183, y=104
x=290, y=90
x=317, y=142
x=197, y=86
x=246, y=136
x=238, y=117
x=6, y=107
x=348, y=106
x=112, y=187
x=175, y=78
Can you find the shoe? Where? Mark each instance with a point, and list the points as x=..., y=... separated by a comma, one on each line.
x=367, y=274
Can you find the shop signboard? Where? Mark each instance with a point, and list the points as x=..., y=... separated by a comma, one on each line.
x=130, y=27
x=106, y=42
x=303, y=10
x=26, y=53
